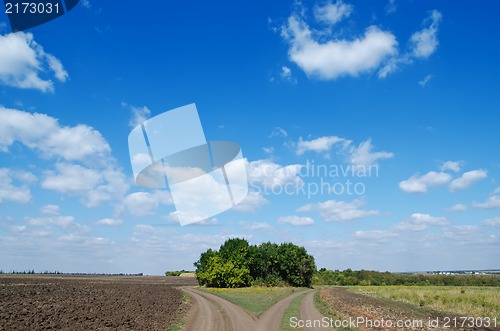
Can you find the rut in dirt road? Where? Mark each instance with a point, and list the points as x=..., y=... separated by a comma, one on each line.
x=211, y=312
x=308, y=312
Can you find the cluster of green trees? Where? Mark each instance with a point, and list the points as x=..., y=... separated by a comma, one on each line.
x=177, y=272
x=238, y=264
x=349, y=277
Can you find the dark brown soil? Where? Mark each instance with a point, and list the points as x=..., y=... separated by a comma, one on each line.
x=374, y=310
x=89, y=303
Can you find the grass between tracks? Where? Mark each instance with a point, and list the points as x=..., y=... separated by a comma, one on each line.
x=293, y=310
x=467, y=300
x=254, y=299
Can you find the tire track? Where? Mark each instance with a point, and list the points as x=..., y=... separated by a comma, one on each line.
x=309, y=312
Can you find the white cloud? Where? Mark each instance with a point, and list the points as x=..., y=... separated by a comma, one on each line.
x=143, y=204
x=425, y=42
x=252, y=202
x=333, y=210
x=420, y=222
x=11, y=192
x=50, y=209
x=286, y=73
x=335, y=58
x=97, y=179
x=139, y=115
x=86, y=4
x=23, y=60
x=332, y=13
x=492, y=202
x=71, y=179
x=278, y=132
x=420, y=184
x=378, y=236
x=467, y=179
x=495, y=221
x=60, y=221
x=255, y=226
x=363, y=155
x=451, y=165
x=296, y=220
x=109, y=222
x=44, y=134
x=272, y=176
x=423, y=82
x=458, y=207
x=391, y=7
x=318, y=145
x=268, y=150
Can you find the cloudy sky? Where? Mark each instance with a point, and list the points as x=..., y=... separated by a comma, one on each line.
x=369, y=128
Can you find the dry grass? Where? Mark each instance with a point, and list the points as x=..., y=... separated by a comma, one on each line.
x=463, y=300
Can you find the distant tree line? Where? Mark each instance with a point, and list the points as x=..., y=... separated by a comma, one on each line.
x=238, y=264
x=349, y=277
x=177, y=273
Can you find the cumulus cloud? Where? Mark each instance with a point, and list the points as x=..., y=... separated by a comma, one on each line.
x=420, y=184
x=296, y=220
x=110, y=222
x=492, y=202
x=143, y=204
x=495, y=221
x=44, y=134
x=391, y=7
x=50, y=209
x=374, y=236
x=451, y=165
x=425, y=42
x=9, y=191
x=420, y=222
x=467, y=180
x=458, y=207
x=252, y=202
x=422, y=44
x=364, y=156
x=286, y=73
x=60, y=221
x=255, y=226
x=335, y=58
x=272, y=176
x=319, y=145
x=333, y=210
x=23, y=61
x=332, y=12
x=361, y=155
x=139, y=115
x=94, y=175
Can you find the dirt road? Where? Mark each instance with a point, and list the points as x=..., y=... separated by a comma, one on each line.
x=211, y=312
x=309, y=312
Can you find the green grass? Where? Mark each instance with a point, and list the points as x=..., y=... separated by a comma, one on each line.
x=293, y=310
x=464, y=300
x=178, y=325
x=254, y=299
x=326, y=310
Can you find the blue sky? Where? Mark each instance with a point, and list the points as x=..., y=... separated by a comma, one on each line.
x=406, y=88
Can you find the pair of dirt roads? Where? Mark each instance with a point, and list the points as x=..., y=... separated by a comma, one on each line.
x=211, y=312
